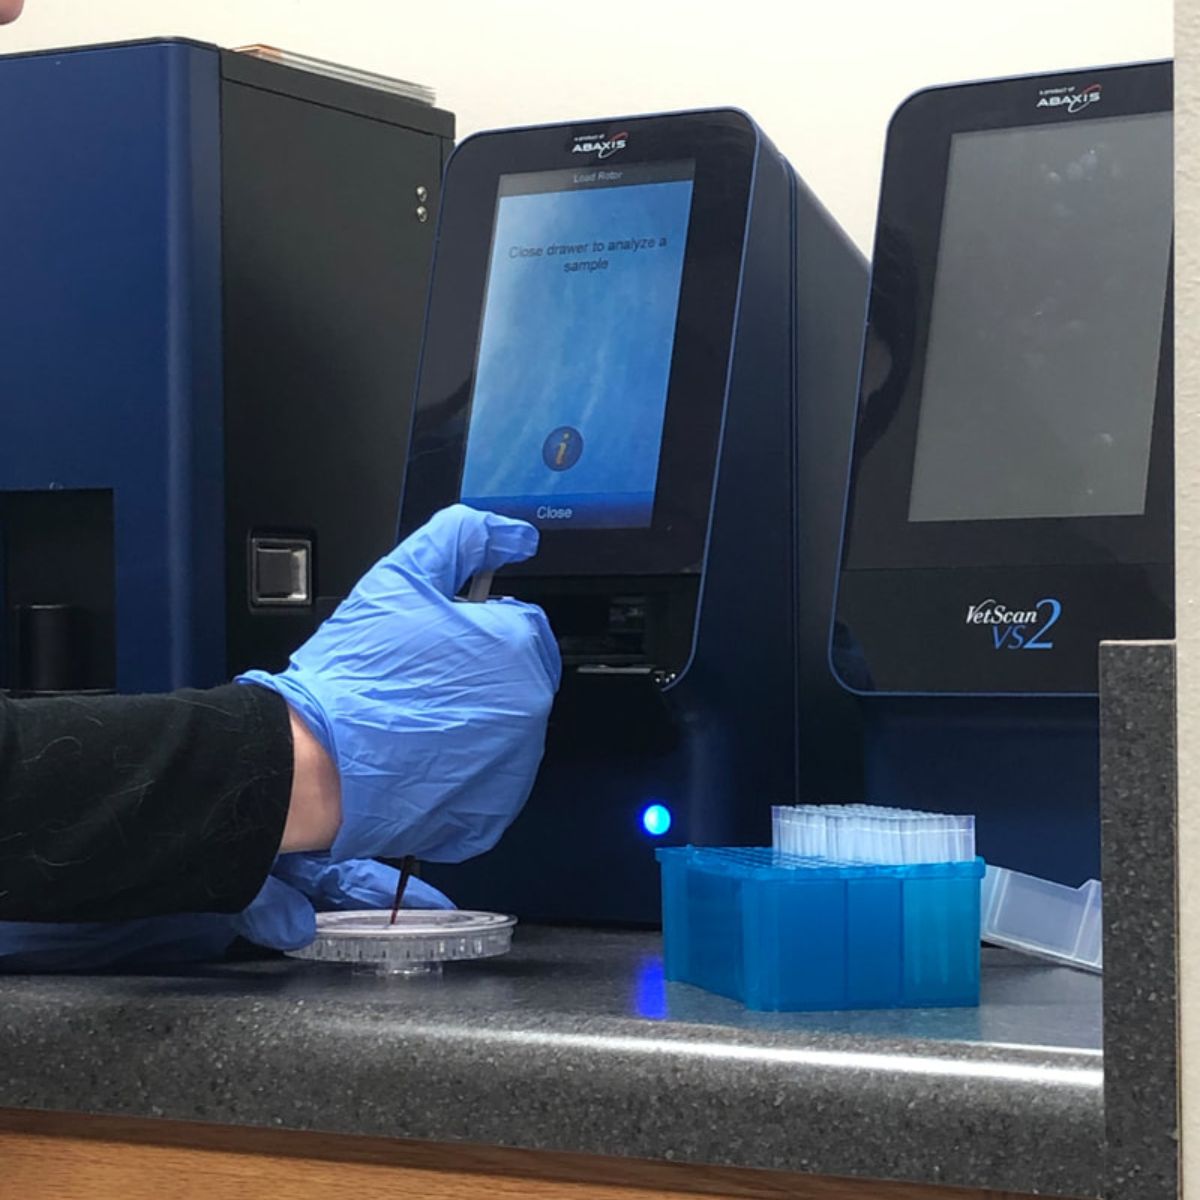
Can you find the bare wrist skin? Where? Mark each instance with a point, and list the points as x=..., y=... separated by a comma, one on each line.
x=315, y=810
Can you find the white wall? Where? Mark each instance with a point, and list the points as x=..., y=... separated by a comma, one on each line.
x=821, y=78
x=1187, y=576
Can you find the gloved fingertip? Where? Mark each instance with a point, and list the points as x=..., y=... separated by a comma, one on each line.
x=279, y=917
x=508, y=541
x=419, y=894
x=459, y=542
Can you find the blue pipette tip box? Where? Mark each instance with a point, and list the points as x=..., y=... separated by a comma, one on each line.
x=783, y=933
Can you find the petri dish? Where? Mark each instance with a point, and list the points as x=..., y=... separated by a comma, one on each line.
x=418, y=943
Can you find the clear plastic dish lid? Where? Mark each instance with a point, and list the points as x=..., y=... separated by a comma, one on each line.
x=417, y=943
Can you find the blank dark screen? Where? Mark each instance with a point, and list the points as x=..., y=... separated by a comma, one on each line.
x=1042, y=357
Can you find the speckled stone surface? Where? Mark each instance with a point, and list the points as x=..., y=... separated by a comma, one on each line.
x=573, y=1042
x=1138, y=802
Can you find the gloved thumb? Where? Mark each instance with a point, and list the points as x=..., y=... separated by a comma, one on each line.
x=279, y=918
x=459, y=542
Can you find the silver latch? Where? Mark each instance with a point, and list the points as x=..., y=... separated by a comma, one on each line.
x=281, y=572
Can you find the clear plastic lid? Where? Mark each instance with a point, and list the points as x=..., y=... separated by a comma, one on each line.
x=1043, y=918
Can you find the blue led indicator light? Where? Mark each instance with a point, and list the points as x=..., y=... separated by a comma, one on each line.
x=656, y=819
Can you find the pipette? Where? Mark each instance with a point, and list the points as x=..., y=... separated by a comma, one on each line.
x=406, y=867
x=477, y=593
x=481, y=587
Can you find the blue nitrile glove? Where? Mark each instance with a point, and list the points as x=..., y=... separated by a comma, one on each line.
x=281, y=917
x=357, y=883
x=433, y=710
x=29, y=946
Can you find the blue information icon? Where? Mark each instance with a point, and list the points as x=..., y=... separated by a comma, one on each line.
x=561, y=450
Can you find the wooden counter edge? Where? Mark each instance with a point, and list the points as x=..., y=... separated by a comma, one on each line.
x=72, y=1156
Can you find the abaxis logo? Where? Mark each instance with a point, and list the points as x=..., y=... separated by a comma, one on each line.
x=602, y=145
x=1072, y=99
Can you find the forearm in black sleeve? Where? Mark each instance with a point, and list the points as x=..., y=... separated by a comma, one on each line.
x=129, y=806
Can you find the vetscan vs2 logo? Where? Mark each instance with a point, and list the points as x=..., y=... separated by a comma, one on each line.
x=1017, y=628
x=1069, y=99
x=602, y=145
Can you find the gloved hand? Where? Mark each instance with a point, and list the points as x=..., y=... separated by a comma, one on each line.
x=351, y=885
x=281, y=917
x=433, y=710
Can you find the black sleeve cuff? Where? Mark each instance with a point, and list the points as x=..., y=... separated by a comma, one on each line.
x=116, y=807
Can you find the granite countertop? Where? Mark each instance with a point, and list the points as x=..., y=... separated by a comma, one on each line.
x=573, y=1042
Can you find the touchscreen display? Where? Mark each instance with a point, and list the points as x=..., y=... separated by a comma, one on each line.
x=1042, y=358
x=575, y=345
